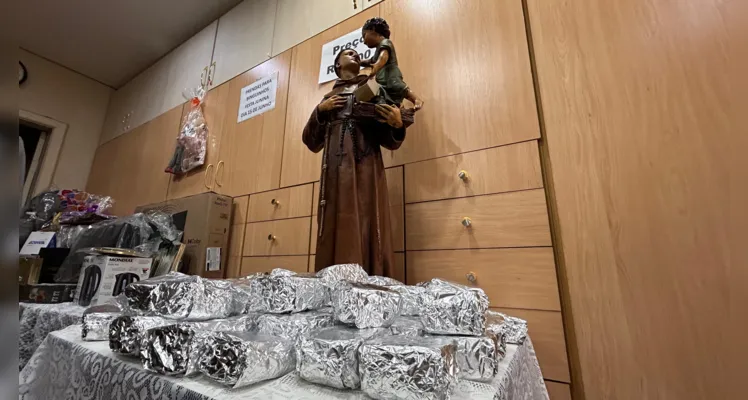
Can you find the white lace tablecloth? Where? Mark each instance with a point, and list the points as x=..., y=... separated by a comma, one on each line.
x=65, y=367
x=38, y=320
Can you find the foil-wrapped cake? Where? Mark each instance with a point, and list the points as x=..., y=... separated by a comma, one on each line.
x=96, y=325
x=342, y=272
x=183, y=297
x=330, y=356
x=292, y=326
x=513, y=329
x=238, y=359
x=382, y=281
x=126, y=332
x=282, y=293
x=477, y=356
x=413, y=299
x=174, y=349
x=364, y=305
x=453, y=309
x=407, y=326
x=401, y=367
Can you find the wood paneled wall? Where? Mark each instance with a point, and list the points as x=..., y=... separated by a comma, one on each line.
x=470, y=61
x=644, y=106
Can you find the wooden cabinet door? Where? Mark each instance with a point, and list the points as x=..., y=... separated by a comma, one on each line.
x=203, y=179
x=244, y=38
x=297, y=21
x=369, y=3
x=119, y=117
x=469, y=61
x=299, y=164
x=251, y=150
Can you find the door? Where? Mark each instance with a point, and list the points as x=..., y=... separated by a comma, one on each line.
x=251, y=150
x=297, y=21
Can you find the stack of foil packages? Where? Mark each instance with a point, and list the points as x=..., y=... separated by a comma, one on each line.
x=339, y=328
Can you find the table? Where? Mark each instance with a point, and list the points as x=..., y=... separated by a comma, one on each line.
x=38, y=320
x=65, y=367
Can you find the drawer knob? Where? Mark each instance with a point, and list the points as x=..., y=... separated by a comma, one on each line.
x=272, y=237
x=471, y=277
x=463, y=175
x=275, y=202
x=467, y=222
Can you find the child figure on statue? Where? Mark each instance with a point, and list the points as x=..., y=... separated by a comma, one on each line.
x=376, y=33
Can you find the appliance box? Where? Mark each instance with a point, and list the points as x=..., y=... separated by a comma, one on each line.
x=46, y=293
x=103, y=277
x=205, y=219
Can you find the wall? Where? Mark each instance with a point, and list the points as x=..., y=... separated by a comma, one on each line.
x=66, y=96
x=644, y=106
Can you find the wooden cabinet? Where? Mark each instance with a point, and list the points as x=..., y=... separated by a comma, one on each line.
x=297, y=21
x=184, y=66
x=558, y=391
x=203, y=179
x=282, y=237
x=236, y=246
x=369, y=3
x=122, y=112
x=281, y=204
x=299, y=164
x=469, y=61
x=500, y=169
x=251, y=150
x=239, y=210
x=250, y=265
x=244, y=38
x=546, y=331
x=394, y=178
x=130, y=168
x=515, y=278
x=516, y=219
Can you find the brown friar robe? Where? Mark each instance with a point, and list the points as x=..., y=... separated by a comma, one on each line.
x=353, y=218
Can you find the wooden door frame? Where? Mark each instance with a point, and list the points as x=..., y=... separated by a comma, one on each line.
x=55, y=139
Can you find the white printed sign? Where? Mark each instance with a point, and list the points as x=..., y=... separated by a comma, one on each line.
x=352, y=40
x=257, y=98
x=37, y=241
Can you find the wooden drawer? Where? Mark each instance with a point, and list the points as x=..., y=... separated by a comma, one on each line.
x=250, y=265
x=517, y=219
x=281, y=204
x=278, y=238
x=547, y=333
x=239, y=213
x=313, y=239
x=315, y=199
x=516, y=278
x=236, y=240
x=233, y=267
x=558, y=391
x=496, y=170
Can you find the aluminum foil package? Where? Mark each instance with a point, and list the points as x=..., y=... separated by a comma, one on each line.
x=282, y=272
x=241, y=358
x=413, y=299
x=293, y=326
x=382, y=281
x=453, y=309
x=341, y=272
x=174, y=349
x=330, y=356
x=401, y=367
x=407, y=326
x=96, y=325
x=126, y=332
x=283, y=293
x=364, y=305
x=514, y=330
x=183, y=297
x=477, y=357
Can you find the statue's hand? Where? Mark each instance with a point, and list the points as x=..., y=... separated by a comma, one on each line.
x=390, y=114
x=332, y=103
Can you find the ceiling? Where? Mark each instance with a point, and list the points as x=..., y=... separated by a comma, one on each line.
x=112, y=41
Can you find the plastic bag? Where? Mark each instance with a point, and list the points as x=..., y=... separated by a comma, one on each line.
x=192, y=140
x=40, y=209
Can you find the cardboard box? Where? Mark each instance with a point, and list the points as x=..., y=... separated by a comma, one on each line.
x=102, y=277
x=46, y=293
x=36, y=241
x=205, y=219
x=29, y=269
